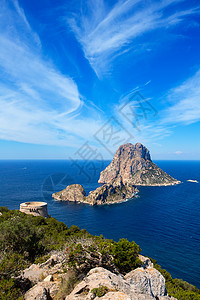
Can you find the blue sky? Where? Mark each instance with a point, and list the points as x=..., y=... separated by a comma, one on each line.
x=80, y=78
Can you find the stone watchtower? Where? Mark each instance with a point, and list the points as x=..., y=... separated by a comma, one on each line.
x=34, y=208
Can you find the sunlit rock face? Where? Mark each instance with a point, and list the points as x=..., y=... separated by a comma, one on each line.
x=133, y=165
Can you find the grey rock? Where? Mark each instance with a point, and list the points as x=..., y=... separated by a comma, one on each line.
x=141, y=284
x=42, y=291
x=96, y=278
x=147, y=281
x=114, y=192
x=133, y=164
x=74, y=192
x=123, y=296
x=146, y=262
x=36, y=271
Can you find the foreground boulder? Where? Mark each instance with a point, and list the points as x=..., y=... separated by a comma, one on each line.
x=133, y=164
x=148, y=281
x=49, y=279
x=144, y=283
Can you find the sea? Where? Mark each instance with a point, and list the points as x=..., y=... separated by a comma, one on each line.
x=164, y=221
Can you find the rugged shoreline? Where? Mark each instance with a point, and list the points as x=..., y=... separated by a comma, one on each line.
x=115, y=192
x=56, y=198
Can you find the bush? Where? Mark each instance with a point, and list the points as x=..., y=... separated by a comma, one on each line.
x=100, y=291
x=19, y=236
x=9, y=290
x=11, y=265
x=126, y=255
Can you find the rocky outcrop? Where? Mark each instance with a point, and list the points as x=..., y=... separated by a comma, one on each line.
x=114, y=192
x=42, y=291
x=133, y=165
x=147, y=280
x=74, y=192
x=148, y=285
x=144, y=283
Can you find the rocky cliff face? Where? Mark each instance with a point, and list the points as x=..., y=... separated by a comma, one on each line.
x=133, y=165
x=144, y=283
x=74, y=192
x=114, y=192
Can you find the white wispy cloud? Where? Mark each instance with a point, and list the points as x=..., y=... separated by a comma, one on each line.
x=106, y=33
x=184, y=102
x=38, y=104
x=24, y=122
x=139, y=117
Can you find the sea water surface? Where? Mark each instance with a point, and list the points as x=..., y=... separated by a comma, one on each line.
x=164, y=221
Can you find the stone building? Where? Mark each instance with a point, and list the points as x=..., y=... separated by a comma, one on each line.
x=34, y=208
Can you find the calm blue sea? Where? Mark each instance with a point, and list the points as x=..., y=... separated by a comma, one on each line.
x=164, y=221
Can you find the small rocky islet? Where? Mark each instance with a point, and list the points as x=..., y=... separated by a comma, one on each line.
x=131, y=167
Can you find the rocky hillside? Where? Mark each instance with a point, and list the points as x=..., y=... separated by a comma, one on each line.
x=144, y=283
x=43, y=259
x=113, y=192
x=133, y=165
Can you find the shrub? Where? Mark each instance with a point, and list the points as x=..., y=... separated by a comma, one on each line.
x=11, y=265
x=9, y=290
x=18, y=236
x=100, y=291
x=126, y=255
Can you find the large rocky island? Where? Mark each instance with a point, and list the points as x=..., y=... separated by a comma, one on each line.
x=131, y=166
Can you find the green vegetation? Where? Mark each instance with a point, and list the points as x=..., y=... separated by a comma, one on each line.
x=100, y=291
x=126, y=255
x=26, y=239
